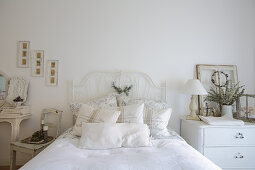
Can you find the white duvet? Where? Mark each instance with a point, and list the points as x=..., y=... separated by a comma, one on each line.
x=165, y=154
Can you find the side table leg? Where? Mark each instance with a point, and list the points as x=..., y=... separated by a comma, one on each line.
x=15, y=130
x=13, y=159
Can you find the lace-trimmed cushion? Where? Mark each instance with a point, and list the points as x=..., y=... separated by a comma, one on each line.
x=124, y=100
x=107, y=101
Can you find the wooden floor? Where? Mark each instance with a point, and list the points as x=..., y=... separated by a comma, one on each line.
x=7, y=167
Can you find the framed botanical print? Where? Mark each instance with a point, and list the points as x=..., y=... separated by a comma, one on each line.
x=214, y=75
x=52, y=72
x=37, y=63
x=23, y=54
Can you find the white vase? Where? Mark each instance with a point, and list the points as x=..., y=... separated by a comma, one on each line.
x=227, y=110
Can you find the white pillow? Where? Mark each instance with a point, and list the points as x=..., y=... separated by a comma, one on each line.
x=89, y=114
x=157, y=122
x=135, y=135
x=106, y=101
x=155, y=115
x=131, y=114
x=124, y=100
x=114, y=135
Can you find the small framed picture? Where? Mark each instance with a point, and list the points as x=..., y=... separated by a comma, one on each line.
x=38, y=71
x=24, y=45
x=52, y=72
x=24, y=61
x=23, y=54
x=38, y=55
x=53, y=64
x=37, y=63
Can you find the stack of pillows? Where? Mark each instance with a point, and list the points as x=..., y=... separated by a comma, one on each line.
x=117, y=121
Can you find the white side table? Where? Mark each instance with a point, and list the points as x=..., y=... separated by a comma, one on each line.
x=14, y=120
x=230, y=147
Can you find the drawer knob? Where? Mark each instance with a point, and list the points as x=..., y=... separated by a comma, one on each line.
x=238, y=156
x=239, y=136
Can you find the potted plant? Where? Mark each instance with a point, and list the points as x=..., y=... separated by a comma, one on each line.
x=225, y=96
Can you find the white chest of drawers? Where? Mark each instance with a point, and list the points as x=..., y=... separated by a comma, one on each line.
x=230, y=147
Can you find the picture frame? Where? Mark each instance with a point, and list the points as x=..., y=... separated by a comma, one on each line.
x=205, y=73
x=37, y=63
x=52, y=72
x=23, y=48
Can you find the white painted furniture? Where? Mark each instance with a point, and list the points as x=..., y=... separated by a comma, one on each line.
x=55, y=112
x=14, y=119
x=230, y=147
x=34, y=149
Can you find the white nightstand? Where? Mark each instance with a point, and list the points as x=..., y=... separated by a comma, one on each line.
x=230, y=147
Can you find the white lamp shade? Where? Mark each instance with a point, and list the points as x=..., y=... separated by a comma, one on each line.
x=194, y=87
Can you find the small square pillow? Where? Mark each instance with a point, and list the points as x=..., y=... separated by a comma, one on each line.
x=88, y=114
x=157, y=122
x=131, y=114
x=109, y=135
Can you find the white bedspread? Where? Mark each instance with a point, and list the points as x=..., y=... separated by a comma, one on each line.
x=165, y=154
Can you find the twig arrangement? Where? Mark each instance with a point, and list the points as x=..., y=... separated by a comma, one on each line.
x=119, y=90
x=226, y=95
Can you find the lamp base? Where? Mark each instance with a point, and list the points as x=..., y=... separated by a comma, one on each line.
x=192, y=117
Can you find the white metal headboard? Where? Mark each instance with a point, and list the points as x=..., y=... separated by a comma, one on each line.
x=98, y=84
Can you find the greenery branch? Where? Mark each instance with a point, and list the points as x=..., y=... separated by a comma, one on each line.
x=225, y=95
x=119, y=90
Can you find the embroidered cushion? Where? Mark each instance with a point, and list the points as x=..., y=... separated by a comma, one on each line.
x=156, y=115
x=88, y=114
x=131, y=114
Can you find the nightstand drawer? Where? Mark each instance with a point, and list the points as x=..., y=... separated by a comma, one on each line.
x=231, y=157
x=229, y=136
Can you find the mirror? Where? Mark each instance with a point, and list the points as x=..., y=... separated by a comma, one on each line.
x=3, y=87
x=17, y=92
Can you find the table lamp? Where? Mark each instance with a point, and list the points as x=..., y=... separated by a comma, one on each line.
x=193, y=87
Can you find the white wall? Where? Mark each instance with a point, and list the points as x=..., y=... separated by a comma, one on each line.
x=164, y=39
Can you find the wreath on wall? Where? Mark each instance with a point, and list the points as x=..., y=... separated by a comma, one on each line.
x=213, y=78
x=119, y=90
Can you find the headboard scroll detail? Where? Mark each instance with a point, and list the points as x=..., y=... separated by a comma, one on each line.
x=98, y=84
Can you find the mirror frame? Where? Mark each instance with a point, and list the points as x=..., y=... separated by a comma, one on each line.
x=6, y=86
